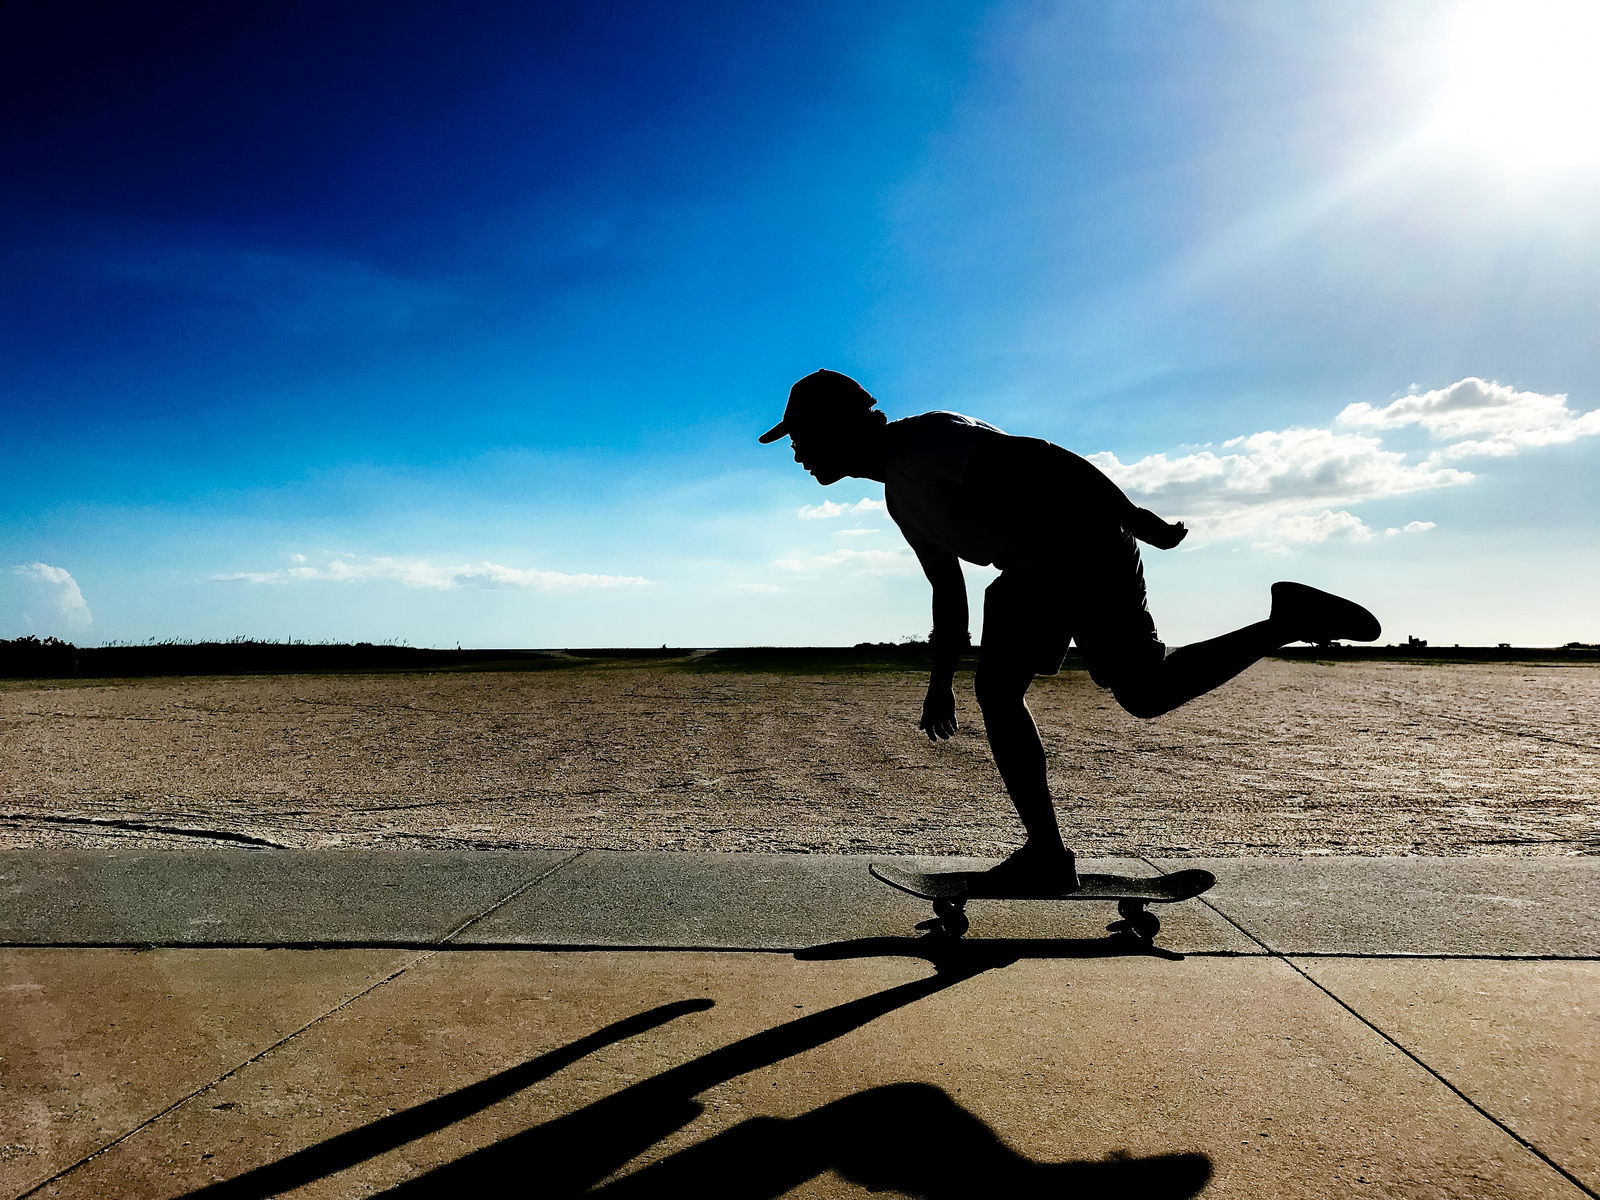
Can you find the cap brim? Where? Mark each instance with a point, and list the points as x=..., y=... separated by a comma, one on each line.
x=773, y=434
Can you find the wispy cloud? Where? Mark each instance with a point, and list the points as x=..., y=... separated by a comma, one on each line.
x=865, y=562
x=303, y=290
x=1286, y=530
x=829, y=509
x=1281, y=533
x=417, y=573
x=293, y=291
x=65, y=594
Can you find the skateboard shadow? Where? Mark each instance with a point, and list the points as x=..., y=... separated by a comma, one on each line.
x=911, y=1138
x=971, y=955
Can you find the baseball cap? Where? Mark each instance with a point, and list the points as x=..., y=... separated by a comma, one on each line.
x=819, y=396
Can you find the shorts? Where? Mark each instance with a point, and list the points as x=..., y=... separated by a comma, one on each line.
x=1091, y=593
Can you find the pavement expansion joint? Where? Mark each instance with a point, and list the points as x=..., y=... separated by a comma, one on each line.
x=1289, y=961
x=229, y=1073
x=512, y=895
x=1483, y=1112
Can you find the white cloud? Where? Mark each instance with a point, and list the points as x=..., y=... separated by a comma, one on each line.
x=867, y=562
x=855, y=532
x=1285, y=531
x=419, y=574
x=1284, y=487
x=1306, y=466
x=1493, y=420
x=829, y=509
x=65, y=594
x=1410, y=527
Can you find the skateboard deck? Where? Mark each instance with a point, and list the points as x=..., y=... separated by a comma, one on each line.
x=950, y=891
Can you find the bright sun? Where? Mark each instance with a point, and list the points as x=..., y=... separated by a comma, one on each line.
x=1520, y=83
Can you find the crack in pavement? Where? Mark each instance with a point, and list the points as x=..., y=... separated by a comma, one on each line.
x=121, y=823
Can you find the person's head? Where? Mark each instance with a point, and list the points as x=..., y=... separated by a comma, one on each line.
x=832, y=426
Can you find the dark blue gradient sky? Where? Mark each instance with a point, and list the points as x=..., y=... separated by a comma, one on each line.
x=454, y=322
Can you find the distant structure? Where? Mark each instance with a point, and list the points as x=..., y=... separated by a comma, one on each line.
x=1416, y=641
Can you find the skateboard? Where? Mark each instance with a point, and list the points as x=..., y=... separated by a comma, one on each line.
x=950, y=891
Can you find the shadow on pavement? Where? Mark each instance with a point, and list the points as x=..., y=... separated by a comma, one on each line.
x=970, y=955
x=911, y=1137
x=369, y=1141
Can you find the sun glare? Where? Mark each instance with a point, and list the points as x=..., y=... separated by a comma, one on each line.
x=1520, y=83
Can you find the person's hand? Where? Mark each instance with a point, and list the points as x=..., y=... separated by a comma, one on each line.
x=1152, y=530
x=1170, y=534
x=938, y=714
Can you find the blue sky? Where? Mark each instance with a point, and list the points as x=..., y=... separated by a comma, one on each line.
x=457, y=323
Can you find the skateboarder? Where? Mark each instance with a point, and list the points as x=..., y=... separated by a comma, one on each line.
x=1063, y=536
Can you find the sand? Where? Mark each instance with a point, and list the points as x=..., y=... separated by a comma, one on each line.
x=1292, y=758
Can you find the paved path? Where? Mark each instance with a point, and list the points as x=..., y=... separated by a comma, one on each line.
x=330, y=1024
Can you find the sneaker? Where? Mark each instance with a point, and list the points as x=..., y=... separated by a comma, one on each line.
x=1317, y=616
x=1030, y=873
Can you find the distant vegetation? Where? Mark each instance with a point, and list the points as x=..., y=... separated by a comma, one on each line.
x=51, y=658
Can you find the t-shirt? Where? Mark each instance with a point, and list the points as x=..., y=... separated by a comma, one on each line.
x=927, y=460
x=1055, y=503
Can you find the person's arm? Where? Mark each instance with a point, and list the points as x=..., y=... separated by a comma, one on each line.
x=1038, y=475
x=950, y=638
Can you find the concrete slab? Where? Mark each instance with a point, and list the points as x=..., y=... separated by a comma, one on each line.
x=757, y=1075
x=252, y=897
x=795, y=901
x=1522, y=1039
x=96, y=1041
x=1521, y=907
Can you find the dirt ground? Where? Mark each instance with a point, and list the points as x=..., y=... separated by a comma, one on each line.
x=1292, y=758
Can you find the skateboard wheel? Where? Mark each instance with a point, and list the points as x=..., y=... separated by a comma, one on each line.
x=951, y=918
x=1145, y=926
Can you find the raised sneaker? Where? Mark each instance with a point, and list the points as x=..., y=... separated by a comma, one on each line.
x=1312, y=615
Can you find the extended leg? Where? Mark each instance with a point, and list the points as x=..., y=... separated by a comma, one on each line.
x=1197, y=668
x=1299, y=614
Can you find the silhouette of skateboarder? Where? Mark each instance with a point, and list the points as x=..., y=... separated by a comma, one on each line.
x=1063, y=536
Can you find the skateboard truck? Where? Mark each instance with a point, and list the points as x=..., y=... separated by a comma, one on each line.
x=950, y=920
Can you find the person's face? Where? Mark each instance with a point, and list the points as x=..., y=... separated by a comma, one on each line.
x=826, y=459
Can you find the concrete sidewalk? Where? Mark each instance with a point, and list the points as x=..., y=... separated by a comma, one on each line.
x=348, y=1023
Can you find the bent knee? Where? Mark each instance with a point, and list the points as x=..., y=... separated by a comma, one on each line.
x=1142, y=702
x=994, y=687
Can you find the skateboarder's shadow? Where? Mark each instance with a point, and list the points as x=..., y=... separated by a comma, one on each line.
x=912, y=1139
x=970, y=955
x=909, y=1137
